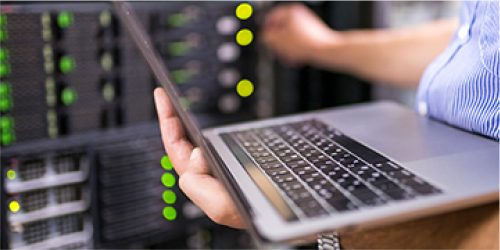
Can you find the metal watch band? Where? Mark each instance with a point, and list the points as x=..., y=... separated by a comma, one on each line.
x=329, y=241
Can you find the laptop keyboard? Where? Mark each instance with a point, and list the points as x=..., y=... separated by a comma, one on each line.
x=323, y=171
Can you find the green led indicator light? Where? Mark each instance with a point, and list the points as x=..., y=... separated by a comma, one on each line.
x=7, y=138
x=4, y=89
x=6, y=123
x=4, y=69
x=244, y=37
x=244, y=11
x=64, y=19
x=166, y=163
x=5, y=103
x=185, y=102
x=11, y=174
x=181, y=76
x=169, y=197
x=177, y=20
x=244, y=88
x=3, y=20
x=169, y=213
x=4, y=54
x=178, y=48
x=168, y=180
x=68, y=96
x=66, y=64
x=3, y=35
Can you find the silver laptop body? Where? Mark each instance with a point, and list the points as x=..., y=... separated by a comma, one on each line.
x=360, y=166
x=463, y=166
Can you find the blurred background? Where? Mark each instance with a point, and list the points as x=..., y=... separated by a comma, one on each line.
x=82, y=163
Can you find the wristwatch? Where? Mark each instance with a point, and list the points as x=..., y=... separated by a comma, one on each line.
x=329, y=241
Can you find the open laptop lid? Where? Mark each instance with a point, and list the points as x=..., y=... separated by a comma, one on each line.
x=142, y=40
x=130, y=21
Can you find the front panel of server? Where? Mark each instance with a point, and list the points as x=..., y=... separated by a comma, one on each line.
x=82, y=161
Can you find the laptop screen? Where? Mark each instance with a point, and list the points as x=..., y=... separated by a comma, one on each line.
x=127, y=15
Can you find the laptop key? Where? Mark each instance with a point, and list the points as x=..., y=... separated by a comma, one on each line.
x=315, y=212
x=284, y=178
x=342, y=204
x=367, y=196
x=385, y=184
x=398, y=194
x=304, y=171
x=271, y=165
x=419, y=186
x=268, y=159
x=297, y=164
x=276, y=171
x=291, y=186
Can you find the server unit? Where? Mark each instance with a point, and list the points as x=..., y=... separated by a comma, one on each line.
x=82, y=161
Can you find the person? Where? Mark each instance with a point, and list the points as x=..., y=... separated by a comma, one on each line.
x=455, y=68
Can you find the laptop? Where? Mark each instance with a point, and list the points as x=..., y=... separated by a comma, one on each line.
x=338, y=169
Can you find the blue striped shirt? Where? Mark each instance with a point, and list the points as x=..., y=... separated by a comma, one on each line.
x=462, y=86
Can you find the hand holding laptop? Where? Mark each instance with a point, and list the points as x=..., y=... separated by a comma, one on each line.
x=195, y=179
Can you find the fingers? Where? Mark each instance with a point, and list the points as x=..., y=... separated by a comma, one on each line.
x=276, y=17
x=176, y=144
x=211, y=197
x=194, y=178
x=274, y=23
x=163, y=105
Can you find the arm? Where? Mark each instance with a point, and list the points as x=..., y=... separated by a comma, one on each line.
x=396, y=57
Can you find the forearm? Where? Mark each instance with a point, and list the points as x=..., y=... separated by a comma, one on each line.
x=395, y=57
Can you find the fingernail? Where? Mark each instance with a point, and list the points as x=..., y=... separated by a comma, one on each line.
x=194, y=154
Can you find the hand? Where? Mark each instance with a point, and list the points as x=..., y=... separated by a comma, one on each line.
x=295, y=33
x=194, y=175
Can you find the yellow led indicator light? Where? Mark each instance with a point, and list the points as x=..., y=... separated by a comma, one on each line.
x=244, y=37
x=108, y=92
x=169, y=197
x=105, y=18
x=169, y=213
x=166, y=163
x=107, y=61
x=244, y=88
x=244, y=11
x=168, y=180
x=11, y=174
x=14, y=206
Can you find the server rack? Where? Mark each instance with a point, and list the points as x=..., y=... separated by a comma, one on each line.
x=82, y=161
